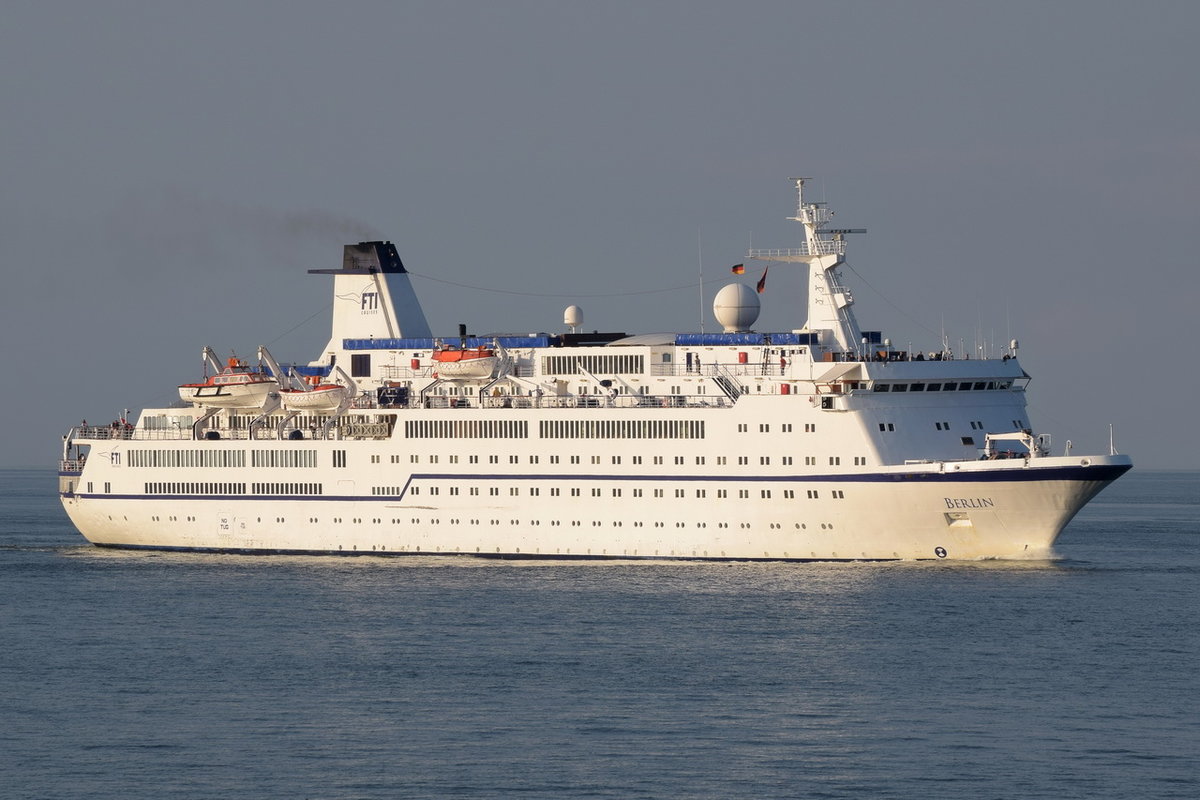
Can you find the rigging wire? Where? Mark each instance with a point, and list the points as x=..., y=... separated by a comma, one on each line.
x=887, y=300
x=307, y=320
x=552, y=294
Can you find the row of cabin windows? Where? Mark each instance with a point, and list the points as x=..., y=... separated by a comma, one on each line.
x=283, y=458
x=949, y=386
x=185, y=487
x=786, y=427
x=621, y=429
x=555, y=429
x=466, y=429
x=720, y=461
x=287, y=488
x=514, y=522
x=597, y=364
x=187, y=457
x=534, y=491
x=890, y=427
x=234, y=488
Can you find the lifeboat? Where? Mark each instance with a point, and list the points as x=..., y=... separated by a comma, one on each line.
x=461, y=364
x=320, y=397
x=235, y=386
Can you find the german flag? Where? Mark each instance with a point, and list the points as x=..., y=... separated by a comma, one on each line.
x=738, y=269
x=762, y=282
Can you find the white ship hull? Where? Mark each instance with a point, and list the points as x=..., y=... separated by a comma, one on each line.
x=956, y=510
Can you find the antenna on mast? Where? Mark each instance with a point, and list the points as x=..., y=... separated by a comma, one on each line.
x=700, y=259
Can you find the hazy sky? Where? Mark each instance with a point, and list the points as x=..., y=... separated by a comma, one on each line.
x=171, y=170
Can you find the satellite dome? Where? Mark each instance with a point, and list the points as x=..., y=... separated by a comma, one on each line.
x=736, y=307
x=573, y=317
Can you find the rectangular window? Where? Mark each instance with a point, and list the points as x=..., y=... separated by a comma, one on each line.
x=360, y=365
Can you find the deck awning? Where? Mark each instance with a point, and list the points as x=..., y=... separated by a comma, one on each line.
x=847, y=370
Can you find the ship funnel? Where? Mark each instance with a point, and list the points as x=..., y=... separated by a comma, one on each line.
x=373, y=297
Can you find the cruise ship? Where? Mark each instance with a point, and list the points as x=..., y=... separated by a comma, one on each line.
x=823, y=442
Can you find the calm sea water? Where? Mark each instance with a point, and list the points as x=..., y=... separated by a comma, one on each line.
x=139, y=675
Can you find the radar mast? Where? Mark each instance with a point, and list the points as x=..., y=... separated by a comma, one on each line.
x=830, y=302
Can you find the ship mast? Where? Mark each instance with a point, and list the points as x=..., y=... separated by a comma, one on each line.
x=830, y=302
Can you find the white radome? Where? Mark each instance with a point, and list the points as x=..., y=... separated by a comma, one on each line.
x=736, y=307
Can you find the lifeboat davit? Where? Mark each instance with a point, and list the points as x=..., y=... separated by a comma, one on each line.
x=460, y=364
x=236, y=386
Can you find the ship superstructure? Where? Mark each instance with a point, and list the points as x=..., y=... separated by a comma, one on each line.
x=822, y=442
